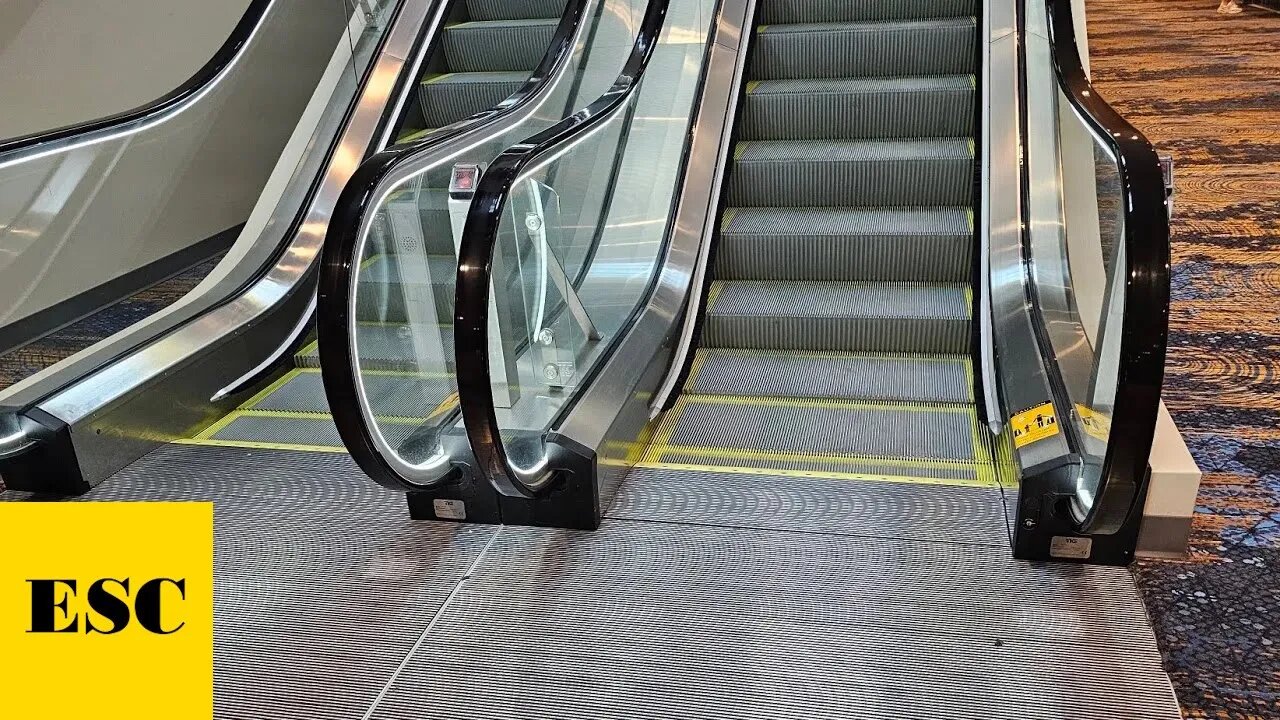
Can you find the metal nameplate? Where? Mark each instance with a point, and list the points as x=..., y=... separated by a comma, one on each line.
x=1071, y=548
x=450, y=509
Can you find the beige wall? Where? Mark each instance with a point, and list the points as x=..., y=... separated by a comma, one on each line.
x=67, y=61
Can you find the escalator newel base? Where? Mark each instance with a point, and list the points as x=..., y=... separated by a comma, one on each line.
x=574, y=502
x=1045, y=529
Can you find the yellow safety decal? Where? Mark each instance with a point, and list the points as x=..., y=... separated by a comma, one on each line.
x=1038, y=423
x=1095, y=423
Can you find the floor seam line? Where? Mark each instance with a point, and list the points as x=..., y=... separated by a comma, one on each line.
x=435, y=617
x=691, y=523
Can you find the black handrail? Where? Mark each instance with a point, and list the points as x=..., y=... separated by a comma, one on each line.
x=220, y=61
x=339, y=266
x=1145, y=327
x=475, y=265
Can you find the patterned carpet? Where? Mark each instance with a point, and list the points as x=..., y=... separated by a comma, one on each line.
x=1206, y=89
x=35, y=356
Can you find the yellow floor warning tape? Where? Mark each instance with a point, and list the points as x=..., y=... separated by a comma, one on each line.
x=721, y=459
x=833, y=403
x=818, y=474
x=658, y=454
x=250, y=409
x=261, y=445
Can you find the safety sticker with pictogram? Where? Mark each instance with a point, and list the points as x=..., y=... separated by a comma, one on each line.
x=1096, y=423
x=1038, y=423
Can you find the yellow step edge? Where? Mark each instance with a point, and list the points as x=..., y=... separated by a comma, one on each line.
x=699, y=359
x=713, y=293
x=303, y=415
x=387, y=373
x=957, y=359
x=817, y=474
x=754, y=400
x=804, y=457
x=727, y=218
x=257, y=445
x=665, y=428
x=266, y=391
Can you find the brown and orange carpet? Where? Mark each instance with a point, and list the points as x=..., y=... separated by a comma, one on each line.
x=25, y=361
x=1205, y=88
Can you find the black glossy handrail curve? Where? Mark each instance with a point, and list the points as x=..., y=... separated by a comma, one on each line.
x=339, y=266
x=221, y=60
x=1145, y=326
x=475, y=265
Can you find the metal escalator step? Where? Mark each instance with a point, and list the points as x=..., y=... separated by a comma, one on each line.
x=944, y=46
x=514, y=9
x=390, y=394
x=895, y=244
x=839, y=316
x=910, y=441
x=451, y=97
x=414, y=218
x=852, y=173
x=392, y=346
x=391, y=285
x=498, y=45
x=287, y=431
x=872, y=107
x=847, y=376
x=816, y=11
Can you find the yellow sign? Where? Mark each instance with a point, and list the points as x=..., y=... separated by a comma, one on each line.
x=1038, y=423
x=106, y=610
x=1095, y=423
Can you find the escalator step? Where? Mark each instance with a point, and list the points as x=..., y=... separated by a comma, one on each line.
x=391, y=285
x=840, y=50
x=416, y=218
x=451, y=97
x=392, y=346
x=515, y=9
x=939, y=106
x=913, y=440
x=839, y=316
x=498, y=45
x=768, y=243
x=288, y=431
x=397, y=395
x=847, y=376
x=852, y=173
x=824, y=11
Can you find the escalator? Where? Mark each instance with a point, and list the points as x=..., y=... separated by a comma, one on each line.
x=875, y=303
x=731, y=353
x=832, y=384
